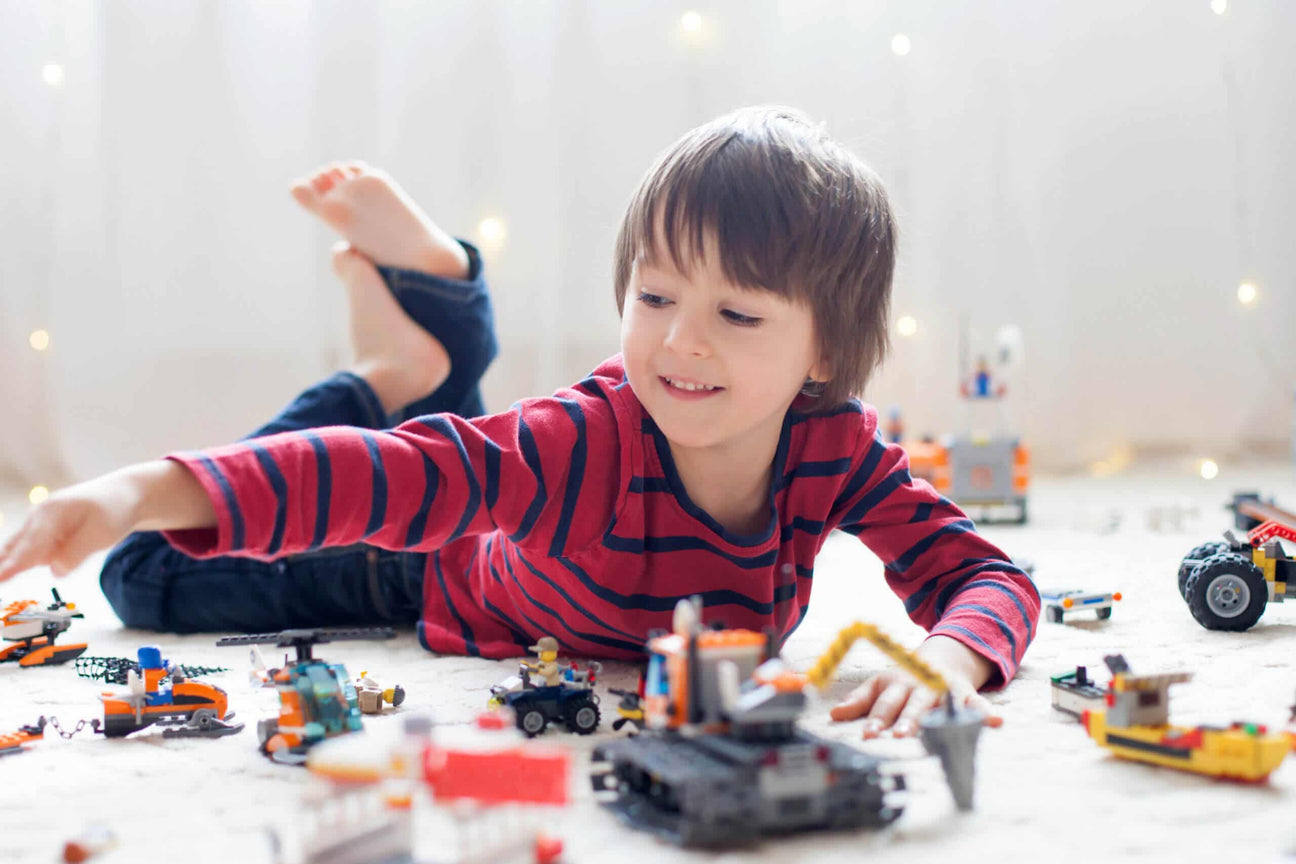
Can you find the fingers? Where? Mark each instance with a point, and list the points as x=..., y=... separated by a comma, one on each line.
x=921, y=700
x=858, y=703
x=22, y=551
x=53, y=534
x=993, y=718
x=893, y=701
x=879, y=700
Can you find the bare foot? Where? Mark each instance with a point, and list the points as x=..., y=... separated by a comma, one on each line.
x=379, y=220
x=400, y=360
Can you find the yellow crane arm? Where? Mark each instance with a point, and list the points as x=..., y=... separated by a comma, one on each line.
x=822, y=671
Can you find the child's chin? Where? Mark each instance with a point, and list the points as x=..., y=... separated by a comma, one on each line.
x=688, y=435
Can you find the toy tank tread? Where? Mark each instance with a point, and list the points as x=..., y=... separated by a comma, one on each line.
x=714, y=790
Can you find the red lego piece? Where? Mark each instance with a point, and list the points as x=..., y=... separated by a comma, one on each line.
x=1262, y=534
x=519, y=775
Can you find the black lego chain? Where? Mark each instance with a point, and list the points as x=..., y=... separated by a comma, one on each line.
x=81, y=724
x=114, y=670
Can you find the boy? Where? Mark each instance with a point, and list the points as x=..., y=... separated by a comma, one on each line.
x=712, y=456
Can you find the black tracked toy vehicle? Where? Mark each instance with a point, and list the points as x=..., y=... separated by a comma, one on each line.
x=721, y=763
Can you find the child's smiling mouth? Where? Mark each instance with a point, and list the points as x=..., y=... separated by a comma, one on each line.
x=682, y=388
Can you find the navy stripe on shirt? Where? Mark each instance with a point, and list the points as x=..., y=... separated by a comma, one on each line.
x=231, y=502
x=323, y=488
x=378, y=502
x=469, y=642
x=276, y=478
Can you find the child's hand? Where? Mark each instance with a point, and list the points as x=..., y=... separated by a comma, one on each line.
x=73, y=523
x=894, y=699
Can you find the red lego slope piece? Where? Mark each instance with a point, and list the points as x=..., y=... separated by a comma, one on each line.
x=1262, y=534
x=520, y=775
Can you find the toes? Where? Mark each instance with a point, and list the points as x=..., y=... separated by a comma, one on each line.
x=337, y=174
x=304, y=194
x=322, y=182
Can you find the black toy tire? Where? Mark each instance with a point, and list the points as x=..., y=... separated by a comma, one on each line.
x=532, y=721
x=1104, y=614
x=1196, y=556
x=582, y=716
x=1053, y=614
x=1233, y=566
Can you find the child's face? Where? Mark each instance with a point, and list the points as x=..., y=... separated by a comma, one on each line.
x=752, y=346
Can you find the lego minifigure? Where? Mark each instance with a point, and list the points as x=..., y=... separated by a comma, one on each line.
x=981, y=385
x=894, y=425
x=373, y=695
x=546, y=651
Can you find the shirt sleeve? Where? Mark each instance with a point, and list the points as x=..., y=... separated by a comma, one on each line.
x=535, y=472
x=952, y=580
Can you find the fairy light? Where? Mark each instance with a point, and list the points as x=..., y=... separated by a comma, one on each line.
x=1219, y=7
x=1208, y=469
x=691, y=22
x=53, y=74
x=37, y=494
x=492, y=231
x=39, y=340
x=1247, y=294
x=907, y=325
x=900, y=44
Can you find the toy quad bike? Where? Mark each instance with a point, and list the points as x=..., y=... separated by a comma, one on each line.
x=1228, y=583
x=572, y=701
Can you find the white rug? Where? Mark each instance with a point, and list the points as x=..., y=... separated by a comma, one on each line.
x=1044, y=791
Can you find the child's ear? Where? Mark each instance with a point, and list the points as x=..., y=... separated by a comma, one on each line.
x=820, y=372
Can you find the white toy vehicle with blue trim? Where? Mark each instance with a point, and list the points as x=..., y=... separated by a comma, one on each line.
x=1060, y=603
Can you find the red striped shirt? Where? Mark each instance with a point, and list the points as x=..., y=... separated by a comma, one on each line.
x=564, y=516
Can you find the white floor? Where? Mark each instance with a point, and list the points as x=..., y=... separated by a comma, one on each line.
x=1045, y=792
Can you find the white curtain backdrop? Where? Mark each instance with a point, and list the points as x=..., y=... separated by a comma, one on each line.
x=1100, y=174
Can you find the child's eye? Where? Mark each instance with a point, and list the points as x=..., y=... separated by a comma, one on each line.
x=740, y=319
x=652, y=300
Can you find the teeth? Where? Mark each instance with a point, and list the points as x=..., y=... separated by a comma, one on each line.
x=683, y=386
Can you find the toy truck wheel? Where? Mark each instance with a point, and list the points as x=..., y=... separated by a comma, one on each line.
x=1053, y=614
x=581, y=716
x=1227, y=592
x=532, y=721
x=1104, y=614
x=1195, y=557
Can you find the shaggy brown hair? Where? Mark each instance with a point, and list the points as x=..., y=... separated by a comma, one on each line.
x=793, y=212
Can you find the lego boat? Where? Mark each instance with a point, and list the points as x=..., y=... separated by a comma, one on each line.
x=1243, y=751
x=1135, y=726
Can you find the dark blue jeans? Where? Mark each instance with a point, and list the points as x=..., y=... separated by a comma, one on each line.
x=155, y=587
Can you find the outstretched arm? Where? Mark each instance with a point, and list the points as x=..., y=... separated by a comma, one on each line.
x=419, y=486
x=980, y=609
x=75, y=522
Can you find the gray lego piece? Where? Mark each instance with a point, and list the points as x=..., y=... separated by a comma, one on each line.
x=717, y=790
x=951, y=735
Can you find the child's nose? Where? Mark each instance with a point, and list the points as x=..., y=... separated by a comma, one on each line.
x=688, y=336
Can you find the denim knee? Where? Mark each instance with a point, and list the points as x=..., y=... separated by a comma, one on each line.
x=133, y=580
